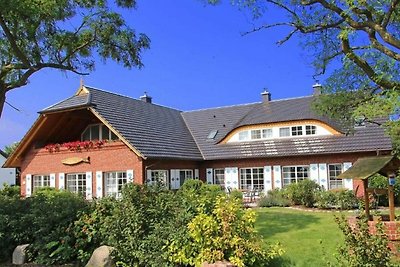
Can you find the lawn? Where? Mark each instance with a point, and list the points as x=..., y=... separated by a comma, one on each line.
x=300, y=233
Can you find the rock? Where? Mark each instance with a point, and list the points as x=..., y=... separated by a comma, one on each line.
x=19, y=255
x=101, y=257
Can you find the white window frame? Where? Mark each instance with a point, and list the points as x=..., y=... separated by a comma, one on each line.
x=333, y=182
x=256, y=178
x=163, y=179
x=310, y=130
x=243, y=136
x=79, y=185
x=284, y=129
x=111, y=135
x=267, y=133
x=40, y=181
x=114, y=182
x=219, y=177
x=185, y=174
x=255, y=134
x=296, y=130
x=289, y=177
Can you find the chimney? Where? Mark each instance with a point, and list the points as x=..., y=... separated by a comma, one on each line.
x=146, y=98
x=317, y=89
x=266, y=96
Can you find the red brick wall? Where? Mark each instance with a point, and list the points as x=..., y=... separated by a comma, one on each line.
x=114, y=156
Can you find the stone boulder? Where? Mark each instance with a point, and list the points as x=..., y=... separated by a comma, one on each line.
x=101, y=257
x=19, y=255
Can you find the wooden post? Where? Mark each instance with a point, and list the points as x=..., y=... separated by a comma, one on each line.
x=366, y=197
x=391, y=202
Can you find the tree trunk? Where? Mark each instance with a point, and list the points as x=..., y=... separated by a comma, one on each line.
x=2, y=99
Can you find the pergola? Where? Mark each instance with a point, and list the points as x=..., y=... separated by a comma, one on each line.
x=366, y=167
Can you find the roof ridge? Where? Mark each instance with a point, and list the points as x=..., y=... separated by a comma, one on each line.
x=129, y=97
x=230, y=106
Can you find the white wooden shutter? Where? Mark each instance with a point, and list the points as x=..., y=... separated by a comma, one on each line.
x=209, y=176
x=232, y=178
x=52, y=180
x=99, y=184
x=129, y=175
x=323, y=175
x=61, y=181
x=175, y=179
x=196, y=174
x=267, y=178
x=347, y=183
x=89, y=193
x=314, y=173
x=28, y=185
x=277, y=176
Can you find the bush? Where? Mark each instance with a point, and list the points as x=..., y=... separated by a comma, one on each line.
x=227, y=233
x=342, y=199
x=379, y=181
x=236, y=194
x=302, y=193
x=274, y=198
x=361, y=248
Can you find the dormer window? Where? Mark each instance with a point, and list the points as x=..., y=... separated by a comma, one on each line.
x=255, y=134
x=243, y=136
x=98, y=132
x=311, y=129
x=283, y=132
x=297, y=130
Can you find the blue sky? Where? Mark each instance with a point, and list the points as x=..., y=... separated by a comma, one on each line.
x=198, y=59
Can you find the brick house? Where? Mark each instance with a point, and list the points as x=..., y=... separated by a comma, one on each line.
x=257, y=146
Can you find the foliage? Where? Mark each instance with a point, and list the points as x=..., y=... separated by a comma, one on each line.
x=10, y=148
x=302, y=193
x=355, y=44
x=341, y=198
x=63, y=35
x=379, y=181
x=274, y=198
x=361, y=248
x=225, y=234
x=236, y=194
x=76, y=145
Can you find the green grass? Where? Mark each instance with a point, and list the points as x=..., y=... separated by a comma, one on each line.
x=308, y=238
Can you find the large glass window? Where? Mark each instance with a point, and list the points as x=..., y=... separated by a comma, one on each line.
x=98, y=132
x=219, y=177
x=113, y=183
x=76, y=183
x=40, y=181
x=294, y=174
x=252, y=179
x=243, y=136
x=158, y=176
x=185, y=175
x=333, y=172
x=285, y=131
x=255, y=134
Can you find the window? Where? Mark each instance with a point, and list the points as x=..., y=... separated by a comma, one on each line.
x=219, y=177
x=255, y=134
x=160, y=176
x=311, y=129
x=294, y=174
x=284, y=132
x=113, y=183
x=185, y=175
x=333, y=171
x=252, y=178
x=297, y=130
x=98, y=132
x=76, y=183
x=40, y=181
x=212, y=134
x=267, y=133
x=243, y=136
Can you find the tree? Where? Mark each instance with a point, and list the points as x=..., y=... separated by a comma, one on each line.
x=10, y=148
x=359, y=40
x=64, y=35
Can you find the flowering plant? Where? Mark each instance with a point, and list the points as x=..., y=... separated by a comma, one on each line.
x=76, y=145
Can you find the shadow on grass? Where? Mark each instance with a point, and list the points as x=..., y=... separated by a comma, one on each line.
x=282, y=262
x=271, y=222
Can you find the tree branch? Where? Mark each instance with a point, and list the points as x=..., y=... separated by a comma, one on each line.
x=389, y=13
x=385, y=50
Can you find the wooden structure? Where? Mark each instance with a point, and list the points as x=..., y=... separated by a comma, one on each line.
x=366, y=167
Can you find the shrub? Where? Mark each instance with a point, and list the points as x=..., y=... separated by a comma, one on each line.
x=302, y=193
x=274, y=198
x=342, y=199
x=225, y=234
x=361, y=248
x=326, y=199
x=236, y=194
x=346, y=199
x=379, y=181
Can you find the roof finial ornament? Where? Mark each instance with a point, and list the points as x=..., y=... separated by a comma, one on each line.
x=81, y=82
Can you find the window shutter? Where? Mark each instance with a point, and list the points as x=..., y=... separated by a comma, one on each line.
x=99, y=184
x=61, y=181
x=149, y=179
x=267, y=178
x=347, y=183
x=314, y=174
x=129, y=175
x=196, y=174
x=277, y=176
x=232, y=178
x=52, y=180
x=323, y=175
x=28, y=185
x=89, y=185
x=175, y=180
x=209, y=176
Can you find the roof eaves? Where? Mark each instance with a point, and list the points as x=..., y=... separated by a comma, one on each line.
x=191, y=133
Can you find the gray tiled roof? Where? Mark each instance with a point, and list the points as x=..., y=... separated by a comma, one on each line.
x=4, y=154
x=200, y=123
x=72, y=102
